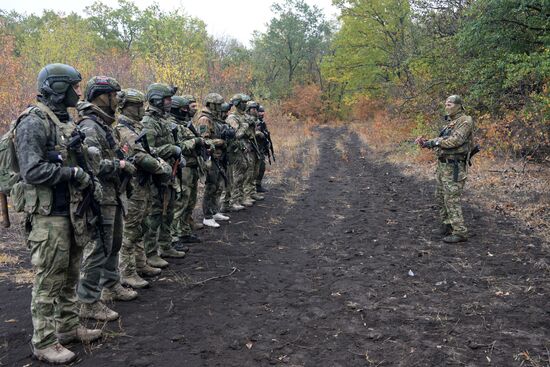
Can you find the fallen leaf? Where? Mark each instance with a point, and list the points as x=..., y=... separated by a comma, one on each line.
x=249, y=345
x=11, y=321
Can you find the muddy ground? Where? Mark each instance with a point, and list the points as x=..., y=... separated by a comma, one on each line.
x=347, y=276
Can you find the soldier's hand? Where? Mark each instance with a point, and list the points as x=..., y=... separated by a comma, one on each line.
x=82, y=179
x=428, y=144
x=198, y=141
x=166, y=171
x=98, y=190
x=128, y=167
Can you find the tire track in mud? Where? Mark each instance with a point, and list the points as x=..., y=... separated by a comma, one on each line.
x=326, y=282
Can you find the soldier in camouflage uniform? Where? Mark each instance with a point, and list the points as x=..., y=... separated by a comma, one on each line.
x=264, y=148
x=256, y=155
x=192, y=145
x=453, y=147
x=229, y=134
x=160, y=138
x=240, y=150
x=132, y=260
x=99, y=276
x=211, y=128
x=53, y=186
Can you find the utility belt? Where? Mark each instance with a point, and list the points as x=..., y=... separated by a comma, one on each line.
x=455, y=162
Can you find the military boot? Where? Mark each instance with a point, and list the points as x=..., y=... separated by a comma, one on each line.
x=80, y=334
x=180, y=246
x=443, y=230
x=195, y=226
x=157, y=262
x=455, y=238
x=172, y=253
x=97, y=311
x=260, y=189
x=54, y=354
x=257, y=197
x=118, y=293
x=145, y=270
x=248, y=202
x=134, y=281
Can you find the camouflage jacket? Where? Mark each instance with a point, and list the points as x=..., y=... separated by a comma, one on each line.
x=126, y=132
x=158, y=128
x=101, y=146
x=456, y=138
x=187, y=142
x=46, y=184
x=211, y=130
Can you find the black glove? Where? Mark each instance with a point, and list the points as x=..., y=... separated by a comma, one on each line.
x=54, y=156
x=177, y=152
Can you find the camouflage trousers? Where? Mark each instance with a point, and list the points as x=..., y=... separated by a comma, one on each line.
x=240, y=166
x=100, y=261
x=260, y=173
x=186, y=199
x=251, y=173
x=157, y=236
x=213, y=188
x=132, y=253
x=55, y=256
x=448, y=195
x=226, y=195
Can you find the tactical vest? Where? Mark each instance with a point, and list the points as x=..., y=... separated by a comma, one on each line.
x=462, y=151
x=40, y=199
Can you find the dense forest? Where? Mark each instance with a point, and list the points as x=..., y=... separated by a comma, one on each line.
x=404, y=56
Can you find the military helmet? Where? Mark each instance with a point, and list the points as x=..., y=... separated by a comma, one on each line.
x=213, y=98
x=225, y=107
x=99, y=85
x=159, y=91
x=261, y=108
x=182, y=101
x=130, y=95
x=252, y=104
x=455, y=99
x=54, y=81
x=238, y=98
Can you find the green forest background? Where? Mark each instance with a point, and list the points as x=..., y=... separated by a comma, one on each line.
x=403, y=57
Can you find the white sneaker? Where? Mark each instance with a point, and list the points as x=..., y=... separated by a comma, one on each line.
x=220, y=216
x=210, y=223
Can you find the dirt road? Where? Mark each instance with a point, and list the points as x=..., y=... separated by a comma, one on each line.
x=347, y=276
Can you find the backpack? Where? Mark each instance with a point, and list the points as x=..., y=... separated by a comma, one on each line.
x=9, y=165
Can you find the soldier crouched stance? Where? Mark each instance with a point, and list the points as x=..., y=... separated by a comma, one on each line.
x=132, y=260
x=100, y=278
x=52, y=188
x=453, y=147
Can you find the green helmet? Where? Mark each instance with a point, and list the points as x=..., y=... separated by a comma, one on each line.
x=99, y=85
x=238, y=98
x=455, y=99
x=156, y=93
x=252, y=104
x=130, y=95
x=54, y=80
x=182, y=101
x=225, y=107
x=213, y=98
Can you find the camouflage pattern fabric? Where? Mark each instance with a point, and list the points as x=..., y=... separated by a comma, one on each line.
x=448, y=194
x=239, y=156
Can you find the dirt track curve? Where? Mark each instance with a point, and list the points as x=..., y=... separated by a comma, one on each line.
x=329, y=282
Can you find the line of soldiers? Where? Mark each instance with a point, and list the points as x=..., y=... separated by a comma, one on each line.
x=110, y=197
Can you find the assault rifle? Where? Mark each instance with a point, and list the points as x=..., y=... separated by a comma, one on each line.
x=265, y=131
x=88, y=199
x=126, y=177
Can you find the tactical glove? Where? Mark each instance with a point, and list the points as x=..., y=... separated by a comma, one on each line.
x=177, y=152
x=98, y=190
x=428, y=144
x=82, y=179
x=182, y=164
x=129, y=168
